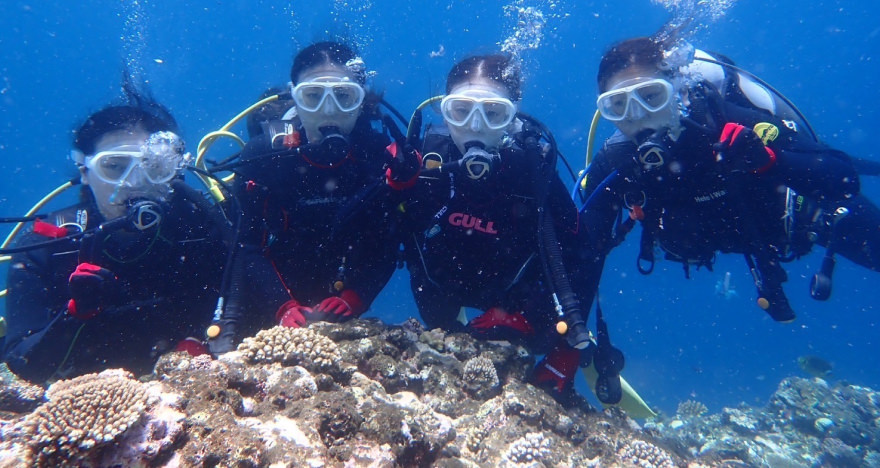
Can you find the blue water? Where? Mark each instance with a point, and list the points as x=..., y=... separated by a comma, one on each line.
x=207, y=60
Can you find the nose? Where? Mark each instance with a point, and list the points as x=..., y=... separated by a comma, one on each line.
x=635, y=111
x=476, y=123
x=329, y=106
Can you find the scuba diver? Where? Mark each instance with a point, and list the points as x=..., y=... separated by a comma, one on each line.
x=709, y=159
x=129, y=273
x=489, y=224
x=317, y=229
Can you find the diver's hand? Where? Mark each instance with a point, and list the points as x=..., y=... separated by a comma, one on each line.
x=92, y=288
x=404, y=165
x=292, y=314
x=741, y=150
x=497, y=323
x=404, y=161
x=529, y=138
x=557, y=370
x=346, y=306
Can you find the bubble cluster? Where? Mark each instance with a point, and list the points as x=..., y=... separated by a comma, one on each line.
x=134, y=38
x=355, y=20
x=528, y=22
x=688, y=17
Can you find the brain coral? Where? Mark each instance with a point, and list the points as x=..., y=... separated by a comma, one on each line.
x=83, y=414
x=293, y=346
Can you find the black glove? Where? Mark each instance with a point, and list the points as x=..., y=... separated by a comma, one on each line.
x=740, y=149
x=405, y=161
x=92, y=288
x=529, y=138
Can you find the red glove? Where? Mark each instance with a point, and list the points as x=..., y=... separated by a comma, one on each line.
x=557, y=370
x=91, y=289
x=498, y=320
x=741, y=149
x=291, y=314
x=404, y=166
x=347, y=305
x=192, y=346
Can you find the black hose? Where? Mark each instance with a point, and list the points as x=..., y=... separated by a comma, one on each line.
x=23, y=219
x=40, y=245
x=577, y=335
x=403, y=120
x=551, y=253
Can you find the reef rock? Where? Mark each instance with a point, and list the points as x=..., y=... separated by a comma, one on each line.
x=363, y=393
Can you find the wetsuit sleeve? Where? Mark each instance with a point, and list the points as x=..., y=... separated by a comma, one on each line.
x=39, y=328
x=816, y=171
x=810, y=168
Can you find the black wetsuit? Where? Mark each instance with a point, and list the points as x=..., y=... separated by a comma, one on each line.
x=694, y=206
x=169, y=282
x=474, y=243
x=315, y=222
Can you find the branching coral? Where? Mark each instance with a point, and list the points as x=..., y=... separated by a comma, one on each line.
x=84, y=413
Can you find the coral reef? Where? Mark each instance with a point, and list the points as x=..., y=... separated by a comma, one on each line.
x=645, y=455
x=691, y=409
x=362, y=393
x=17, y=395
x=805, y=424
x=103, y=419
x=297, y=346
x=480, y=378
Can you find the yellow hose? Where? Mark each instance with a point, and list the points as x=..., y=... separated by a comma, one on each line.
x=40, y=204
x=421, y=106
x=208, y=140
x=591, y=139
x=18, y=226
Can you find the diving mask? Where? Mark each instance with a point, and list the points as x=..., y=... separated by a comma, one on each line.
x=158, y=160
x=459, y=110
x=633, y=101
x=311, y=95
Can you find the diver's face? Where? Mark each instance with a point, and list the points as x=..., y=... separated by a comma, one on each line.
x=475, y=127
x=318, y=107
x=113, y=198
x=638, y=118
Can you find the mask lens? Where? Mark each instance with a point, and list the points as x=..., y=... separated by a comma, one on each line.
x=457, y=111
x=612, y=105
x=348, y=96
x=653, y=95
x=309, y=96
x=498, y=113
x=111, y=166
x=161, y=168
x=162, y=156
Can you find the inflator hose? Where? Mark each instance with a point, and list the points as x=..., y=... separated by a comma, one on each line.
x=577, y=336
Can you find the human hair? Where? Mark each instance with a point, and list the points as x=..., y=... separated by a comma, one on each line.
x=503, y=69
x=139, y=111
x=639, y=51
x=327, y=52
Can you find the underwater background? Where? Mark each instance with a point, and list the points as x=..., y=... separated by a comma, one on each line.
x=208, y=60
